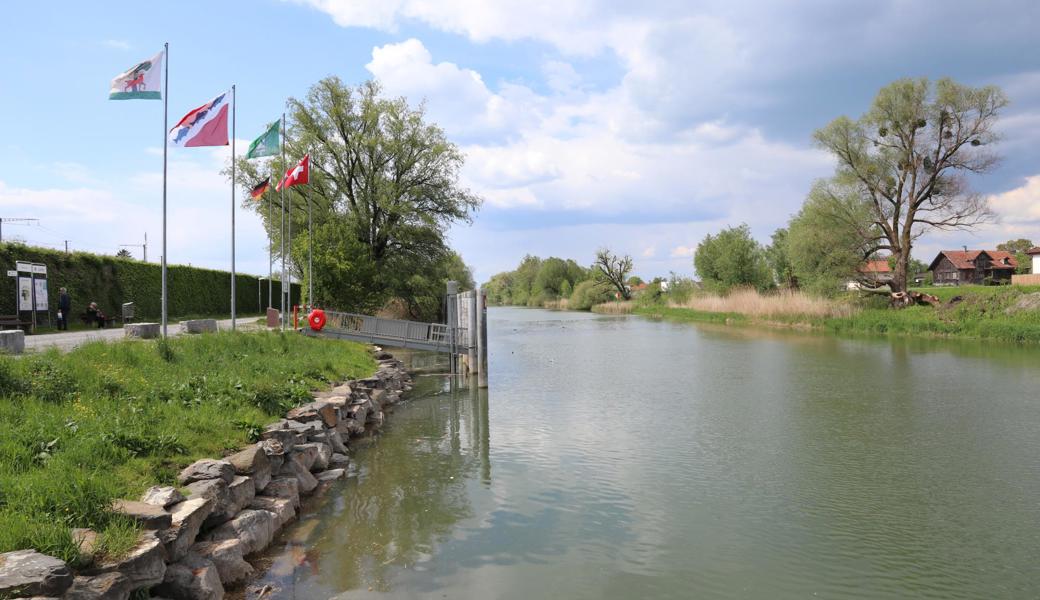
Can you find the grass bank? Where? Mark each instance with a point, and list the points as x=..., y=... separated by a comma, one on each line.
x=108, y=420
x=1010, y=314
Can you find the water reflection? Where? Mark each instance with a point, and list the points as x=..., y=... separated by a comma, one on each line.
x=405, y=495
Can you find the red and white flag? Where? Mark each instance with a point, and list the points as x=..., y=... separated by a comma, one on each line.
x=297, y=175
x=207, y=125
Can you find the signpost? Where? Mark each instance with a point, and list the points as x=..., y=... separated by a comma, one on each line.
x=32, y=291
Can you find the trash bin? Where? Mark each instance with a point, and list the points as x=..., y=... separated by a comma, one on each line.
x=128, y=312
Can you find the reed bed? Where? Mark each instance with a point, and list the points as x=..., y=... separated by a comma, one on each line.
x=785, y=303
x=615, y=308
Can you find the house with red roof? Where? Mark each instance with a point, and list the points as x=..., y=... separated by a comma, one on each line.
x=872, y=273
x=965, y=267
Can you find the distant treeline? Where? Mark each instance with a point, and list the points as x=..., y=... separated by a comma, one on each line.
x=110, y=281
x=549, y=282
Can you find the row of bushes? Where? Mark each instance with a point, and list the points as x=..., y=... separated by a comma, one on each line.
x=111, y=281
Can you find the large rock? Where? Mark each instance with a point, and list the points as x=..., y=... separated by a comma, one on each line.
x=226, y=555
x=188, y=517
x=256, y=529
x=216, y=490
x=199, y=326
x=192, y=578
x=144, y=331
x=86, y=541
x=305, y=454
x=253, y=461
x=280, y=433
x=286, y=488
x=321, y=461
x=107, y=586
x=241, y=491
x=331, y=475
x=282, y=508
x=29, y=573
x=148, y=515
x=303, y=476
x=144, y=566
x=162, y=496
x=339, y=460
x=333, y=439
x=12, y=342
x=207, y=468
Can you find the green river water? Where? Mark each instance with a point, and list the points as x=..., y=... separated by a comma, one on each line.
x=618, y=457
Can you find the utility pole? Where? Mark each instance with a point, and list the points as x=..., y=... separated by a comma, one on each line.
x=144, y=247
x=14, y=220
x=66, y=247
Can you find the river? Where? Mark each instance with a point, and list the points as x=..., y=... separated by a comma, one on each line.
x=619, y=457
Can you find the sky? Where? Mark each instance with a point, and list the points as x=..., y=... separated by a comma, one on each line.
x=638, y=126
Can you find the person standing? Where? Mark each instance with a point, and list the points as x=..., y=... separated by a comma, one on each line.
x=64, y=307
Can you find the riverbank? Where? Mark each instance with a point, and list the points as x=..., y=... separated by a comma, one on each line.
x=1007, y=314
x=107, y=420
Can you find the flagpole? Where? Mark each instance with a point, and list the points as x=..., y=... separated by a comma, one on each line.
x=281, y=237
x=234, y=101
x=166, y=137
x=270, y=253
x=310, y=251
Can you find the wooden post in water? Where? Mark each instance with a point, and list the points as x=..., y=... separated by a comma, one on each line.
x=471, y=337
x=481, y=338
x=453, y=324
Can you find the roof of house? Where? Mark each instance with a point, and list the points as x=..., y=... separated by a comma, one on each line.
x=1033, y=250
x=876, y=266
x=966, y=259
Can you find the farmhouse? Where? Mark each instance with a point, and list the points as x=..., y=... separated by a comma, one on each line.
x=957, y=267
x=1034, y=253
x=871, y=274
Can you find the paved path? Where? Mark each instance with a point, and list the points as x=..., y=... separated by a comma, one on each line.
x=69, y=340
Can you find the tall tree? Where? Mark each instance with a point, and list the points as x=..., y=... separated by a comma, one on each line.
x=732, y=258
x=1019, y=248
x=613, y=270
x=384, y=189
x=779, y=261
x=907, y=158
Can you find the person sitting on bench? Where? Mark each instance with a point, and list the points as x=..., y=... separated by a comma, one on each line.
x=96, y=314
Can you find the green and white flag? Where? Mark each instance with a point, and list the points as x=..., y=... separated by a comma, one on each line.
x=143, y=81
x=267, y=143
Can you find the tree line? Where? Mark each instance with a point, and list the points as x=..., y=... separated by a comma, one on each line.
x=558, y=282
x=903, y=170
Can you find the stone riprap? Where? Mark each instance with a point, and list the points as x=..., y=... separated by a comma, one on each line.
x=197, y=543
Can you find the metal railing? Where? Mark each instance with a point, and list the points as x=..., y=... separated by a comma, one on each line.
x=396, y=332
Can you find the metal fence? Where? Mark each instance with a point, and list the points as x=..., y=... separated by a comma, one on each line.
x=395, y=332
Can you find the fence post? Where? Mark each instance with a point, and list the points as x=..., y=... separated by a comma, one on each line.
x=471, y=332
x=481, y=335
x=453, y=324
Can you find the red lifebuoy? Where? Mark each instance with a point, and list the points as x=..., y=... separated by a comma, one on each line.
x=316, y=319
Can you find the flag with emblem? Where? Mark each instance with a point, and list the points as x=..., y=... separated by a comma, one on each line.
x=142, y=81
x=267, y=143
x=207, y=125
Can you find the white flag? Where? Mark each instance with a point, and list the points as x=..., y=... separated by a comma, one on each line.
x=142, y=81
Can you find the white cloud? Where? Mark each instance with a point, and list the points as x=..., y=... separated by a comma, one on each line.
x=683, y=251
x=649, y=252
x=1019, y=206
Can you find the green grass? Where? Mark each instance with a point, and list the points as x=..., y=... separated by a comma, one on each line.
x=108, y=420
x=985, y=313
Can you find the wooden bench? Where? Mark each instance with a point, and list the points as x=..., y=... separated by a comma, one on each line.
x=89, y=318
x=13, y=322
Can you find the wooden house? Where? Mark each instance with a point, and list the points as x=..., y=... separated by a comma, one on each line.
x=966, y=267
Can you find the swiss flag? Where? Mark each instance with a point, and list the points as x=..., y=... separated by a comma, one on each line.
x=297, y=175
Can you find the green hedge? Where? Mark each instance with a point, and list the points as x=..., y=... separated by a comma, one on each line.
x=111, y=281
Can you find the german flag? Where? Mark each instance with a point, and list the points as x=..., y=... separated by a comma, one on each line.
x=259, y=189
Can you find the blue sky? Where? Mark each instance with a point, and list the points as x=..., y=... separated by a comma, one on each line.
x=586, y=123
